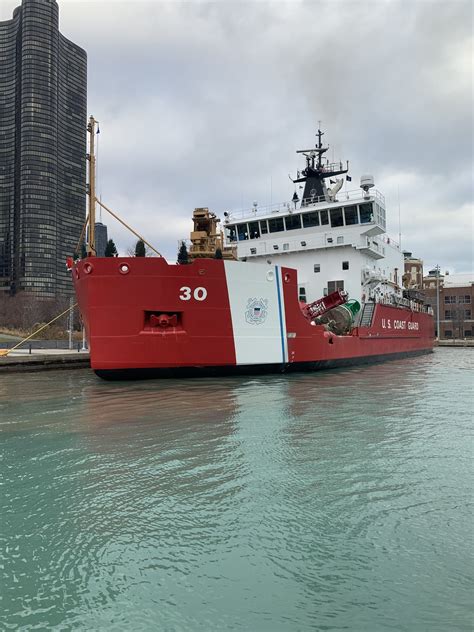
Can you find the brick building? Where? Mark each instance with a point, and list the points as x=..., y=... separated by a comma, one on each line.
x=456, y=303
x=413, y=271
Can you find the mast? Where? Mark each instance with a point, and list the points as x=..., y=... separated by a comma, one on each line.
x=90, y=246
x=313, y=176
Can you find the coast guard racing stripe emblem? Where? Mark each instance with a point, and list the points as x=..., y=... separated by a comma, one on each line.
x=256, y=311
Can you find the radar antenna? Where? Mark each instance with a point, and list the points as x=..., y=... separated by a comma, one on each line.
x=315, y=172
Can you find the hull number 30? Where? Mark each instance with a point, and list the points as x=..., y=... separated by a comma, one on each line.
x=199, y=294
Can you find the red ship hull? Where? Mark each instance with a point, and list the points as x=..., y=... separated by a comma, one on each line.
x=144, y=317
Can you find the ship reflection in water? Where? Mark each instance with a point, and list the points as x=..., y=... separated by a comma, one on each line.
x=334, y=500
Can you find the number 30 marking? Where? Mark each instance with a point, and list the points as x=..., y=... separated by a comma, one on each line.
x=199, y=294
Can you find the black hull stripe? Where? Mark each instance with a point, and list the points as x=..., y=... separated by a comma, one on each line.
x=253, y=369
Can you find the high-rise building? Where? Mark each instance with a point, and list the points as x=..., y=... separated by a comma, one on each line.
x=100, y=239
x=43, y=112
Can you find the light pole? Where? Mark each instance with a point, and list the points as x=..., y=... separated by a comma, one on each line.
x=71, y=321
x=437, y=301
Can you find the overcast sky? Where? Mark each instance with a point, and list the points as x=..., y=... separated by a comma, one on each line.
x=205, y=104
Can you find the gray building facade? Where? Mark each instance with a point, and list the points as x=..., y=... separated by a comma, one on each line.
x=100, y=239
x=43, y=118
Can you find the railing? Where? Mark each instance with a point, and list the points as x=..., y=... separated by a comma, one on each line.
x=291, y=207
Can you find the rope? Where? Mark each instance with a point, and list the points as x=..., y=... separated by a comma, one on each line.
x=129, y=228
x=5, y=352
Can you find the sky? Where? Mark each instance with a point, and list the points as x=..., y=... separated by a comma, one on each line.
x=206, y=103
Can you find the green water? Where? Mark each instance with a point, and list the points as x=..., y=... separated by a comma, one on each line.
x=339, y=500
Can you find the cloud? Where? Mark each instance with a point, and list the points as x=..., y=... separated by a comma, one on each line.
x=204, y=104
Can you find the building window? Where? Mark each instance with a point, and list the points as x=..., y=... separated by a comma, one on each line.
x=467, y=333
x=292, y=222
x=467, y=314
x=449, y=299
x=275, y=225
x=467, y=298
x=448, y=314
x=317, y=267
x=263, y=226
x=448, y=333
x=335, y=285
x=345, y=265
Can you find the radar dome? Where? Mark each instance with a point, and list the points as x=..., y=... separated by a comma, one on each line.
x=366, y=182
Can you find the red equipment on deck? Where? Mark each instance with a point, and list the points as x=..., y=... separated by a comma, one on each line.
x=324, y=304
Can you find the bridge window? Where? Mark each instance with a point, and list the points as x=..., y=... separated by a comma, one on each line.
x=380, y=215
x=366, y=213
x=292, y=222
x=311, y=219
x=335, y=285
x=242, y=232
x=350, y=214
x=345, y=265
x=263, y=226
x=324, y=218
x=275, y=225
x=317, y=267
x=336, y=217
x=254, y=231
x=231, y=233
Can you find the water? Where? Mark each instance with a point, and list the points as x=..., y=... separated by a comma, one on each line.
x=339, y=500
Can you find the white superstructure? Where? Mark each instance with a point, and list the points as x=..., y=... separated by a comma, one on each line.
x=335, y=239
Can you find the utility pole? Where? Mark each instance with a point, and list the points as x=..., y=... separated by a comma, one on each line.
x=71, y=321
x=437, y=302
x=91, y=251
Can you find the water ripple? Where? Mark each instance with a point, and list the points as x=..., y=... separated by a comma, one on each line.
x=339, y=500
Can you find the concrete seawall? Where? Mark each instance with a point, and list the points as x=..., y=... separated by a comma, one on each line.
x=456, y=343
x=43, y=360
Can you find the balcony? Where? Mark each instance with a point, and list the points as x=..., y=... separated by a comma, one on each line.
x=371, y=248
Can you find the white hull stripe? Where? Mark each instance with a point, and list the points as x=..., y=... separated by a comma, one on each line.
x=257, y=313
